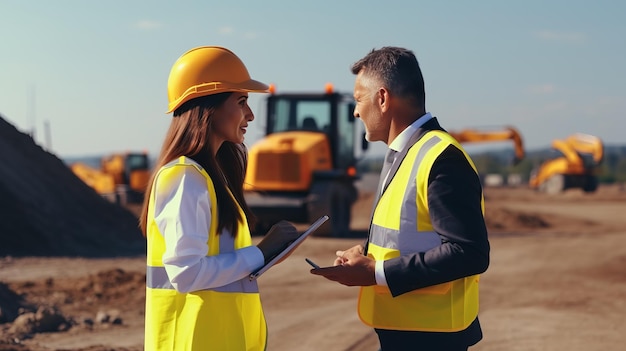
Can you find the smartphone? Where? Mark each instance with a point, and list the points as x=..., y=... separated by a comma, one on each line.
x=312, y=263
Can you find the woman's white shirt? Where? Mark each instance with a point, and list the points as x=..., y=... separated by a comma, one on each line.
x=183, y=216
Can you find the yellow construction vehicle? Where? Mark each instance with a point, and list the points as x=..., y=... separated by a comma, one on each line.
x=304, y=166
x=101, y=182
x=575, y=166
x=122, y=177
x=473, y=135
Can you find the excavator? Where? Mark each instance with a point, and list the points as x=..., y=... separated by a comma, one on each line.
x=305, y=165
x=122, y=177
x=101, y=182
x=473, y=135
x=579, y=158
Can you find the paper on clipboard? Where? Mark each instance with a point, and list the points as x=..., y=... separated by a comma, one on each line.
x=295, y=243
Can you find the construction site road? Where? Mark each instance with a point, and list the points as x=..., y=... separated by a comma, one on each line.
x=557, y=281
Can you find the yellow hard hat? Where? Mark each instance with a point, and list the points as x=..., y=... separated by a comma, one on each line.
x=208, y=70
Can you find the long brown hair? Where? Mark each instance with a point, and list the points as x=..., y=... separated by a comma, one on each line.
x=189, y=135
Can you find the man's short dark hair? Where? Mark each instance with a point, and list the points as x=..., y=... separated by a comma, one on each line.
x=397, y=68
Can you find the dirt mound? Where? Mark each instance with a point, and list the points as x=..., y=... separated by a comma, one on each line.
x=10, y=303
x=501, y=219
x=70, y=305
x=48, y=211
x=84, y=297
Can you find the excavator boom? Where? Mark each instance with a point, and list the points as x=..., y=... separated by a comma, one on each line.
x=472, y=135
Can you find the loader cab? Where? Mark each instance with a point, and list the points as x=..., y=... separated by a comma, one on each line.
x=136, y=162
x=330, y=113
x=305, y=166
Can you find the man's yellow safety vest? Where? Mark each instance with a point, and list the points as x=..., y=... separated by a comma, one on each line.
x=225, y=318
x=401, y=225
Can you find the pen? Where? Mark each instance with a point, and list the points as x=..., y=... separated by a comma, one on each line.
x=312, y=263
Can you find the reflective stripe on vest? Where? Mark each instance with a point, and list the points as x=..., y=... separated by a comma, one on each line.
x=401, y=225
x=225, y=318
x=156, y=278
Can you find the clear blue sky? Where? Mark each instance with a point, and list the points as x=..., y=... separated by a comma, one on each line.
x=96, y=71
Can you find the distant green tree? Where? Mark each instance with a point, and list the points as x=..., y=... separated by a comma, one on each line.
x=487, y=164
x=620, y=170
x=612, y=169
x=524, y=168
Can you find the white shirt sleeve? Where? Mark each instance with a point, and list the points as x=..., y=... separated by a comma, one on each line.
x=183, y=216
x=379, y=272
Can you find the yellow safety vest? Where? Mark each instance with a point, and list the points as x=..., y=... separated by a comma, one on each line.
x=225, y=318
x=401, y=225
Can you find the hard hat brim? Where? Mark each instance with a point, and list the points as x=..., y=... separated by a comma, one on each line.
x=249, y=86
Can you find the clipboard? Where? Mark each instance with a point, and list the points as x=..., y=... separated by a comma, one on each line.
x=295, y=243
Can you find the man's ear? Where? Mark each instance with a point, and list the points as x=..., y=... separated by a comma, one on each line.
x=383, y=99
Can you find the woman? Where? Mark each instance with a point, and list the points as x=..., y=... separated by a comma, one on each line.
x=195, y=218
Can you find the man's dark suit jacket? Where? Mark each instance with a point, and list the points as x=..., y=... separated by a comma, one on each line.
x=454, y=202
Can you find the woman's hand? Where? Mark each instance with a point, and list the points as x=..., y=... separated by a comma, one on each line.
x=277, y=239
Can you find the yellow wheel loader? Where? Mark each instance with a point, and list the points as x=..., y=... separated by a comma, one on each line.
x=305, y=165
x=122, y=177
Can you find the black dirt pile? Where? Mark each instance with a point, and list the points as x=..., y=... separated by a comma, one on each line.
x=10, y=303
x=45, y=210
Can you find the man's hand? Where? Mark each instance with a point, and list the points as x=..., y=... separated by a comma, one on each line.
x=351, y=268
x=357, y=249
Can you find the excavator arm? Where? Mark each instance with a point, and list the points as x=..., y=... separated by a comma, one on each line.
x=587, y=145
x=101, y=182
x=122, y=177
x=472, y=135
x=574, y=161
x=581, y=155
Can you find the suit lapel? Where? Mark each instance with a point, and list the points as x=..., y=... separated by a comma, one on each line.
x=432, y=124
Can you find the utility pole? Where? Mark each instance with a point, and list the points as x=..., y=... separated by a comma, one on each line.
x=31, y=111
x=48, y=135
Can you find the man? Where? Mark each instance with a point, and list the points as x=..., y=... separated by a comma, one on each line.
x=427, y=243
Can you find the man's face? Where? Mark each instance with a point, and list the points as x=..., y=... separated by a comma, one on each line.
x=368, y=109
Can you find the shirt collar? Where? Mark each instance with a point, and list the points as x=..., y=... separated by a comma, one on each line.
x=403, y=138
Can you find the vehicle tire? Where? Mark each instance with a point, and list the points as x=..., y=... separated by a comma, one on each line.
x=591, y=184
x=341, y=212
x=335, y=199
x=319, y=205
x=554, y=184
x=112, y=198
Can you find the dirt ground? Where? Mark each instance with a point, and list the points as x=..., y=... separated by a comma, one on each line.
x=557, y=281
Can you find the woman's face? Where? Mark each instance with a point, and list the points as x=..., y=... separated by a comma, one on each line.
x=231, y=120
